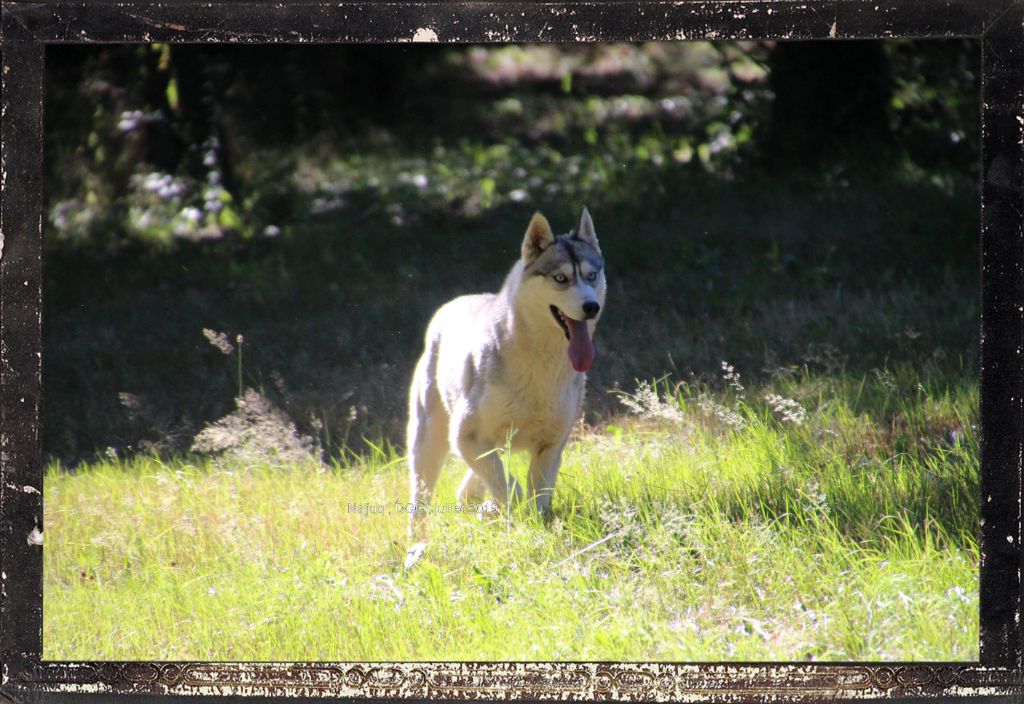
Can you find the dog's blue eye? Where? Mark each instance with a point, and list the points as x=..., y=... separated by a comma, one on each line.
x=592, y=276
x=561, y=278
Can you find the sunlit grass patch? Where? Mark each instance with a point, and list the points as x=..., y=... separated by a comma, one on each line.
x=674, y=536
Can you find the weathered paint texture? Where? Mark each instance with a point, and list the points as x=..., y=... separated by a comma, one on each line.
x=27, y=27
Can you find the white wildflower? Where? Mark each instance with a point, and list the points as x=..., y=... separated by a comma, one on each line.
x=646, y=403
x=732, y=377
x=790, y=410
x=726, y=415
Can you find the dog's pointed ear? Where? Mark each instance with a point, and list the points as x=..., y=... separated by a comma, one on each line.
x=538, y=237
x=585, y=229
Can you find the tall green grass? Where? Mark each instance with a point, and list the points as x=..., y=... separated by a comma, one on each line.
x=702, y=526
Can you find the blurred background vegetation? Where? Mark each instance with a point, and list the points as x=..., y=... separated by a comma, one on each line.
x=785, y=207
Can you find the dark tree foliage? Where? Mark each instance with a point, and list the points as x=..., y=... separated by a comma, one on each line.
x=116, y=111
x=936, y=106
x=834, y=101
x=192, y=110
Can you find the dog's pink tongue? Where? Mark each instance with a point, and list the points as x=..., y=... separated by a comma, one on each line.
x=581, y=349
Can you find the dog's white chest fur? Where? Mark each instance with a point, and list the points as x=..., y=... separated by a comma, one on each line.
x=533, y=398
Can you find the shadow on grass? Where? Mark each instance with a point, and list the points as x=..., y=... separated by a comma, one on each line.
x=767, y=272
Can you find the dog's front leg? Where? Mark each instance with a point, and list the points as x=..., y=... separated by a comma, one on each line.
x=544, y=465
x=472, y=490
x=483, y=459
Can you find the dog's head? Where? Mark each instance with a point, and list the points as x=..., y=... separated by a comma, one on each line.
x=565, y=273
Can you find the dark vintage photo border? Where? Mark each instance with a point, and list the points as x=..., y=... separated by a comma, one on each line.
x=28, y=27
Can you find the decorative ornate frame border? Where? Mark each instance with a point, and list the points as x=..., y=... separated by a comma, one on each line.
x=27, y=28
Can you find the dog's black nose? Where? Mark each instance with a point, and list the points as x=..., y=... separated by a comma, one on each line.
x=591, y=308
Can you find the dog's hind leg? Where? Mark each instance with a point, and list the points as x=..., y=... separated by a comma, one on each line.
x=427, y=443
x=428, y=448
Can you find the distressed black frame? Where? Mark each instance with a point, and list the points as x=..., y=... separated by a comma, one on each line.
x=26, y=29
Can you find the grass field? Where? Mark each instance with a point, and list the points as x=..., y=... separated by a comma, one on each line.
x=795, y=475
x=696, y=529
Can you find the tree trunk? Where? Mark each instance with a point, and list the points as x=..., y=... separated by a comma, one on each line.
x=830, y=99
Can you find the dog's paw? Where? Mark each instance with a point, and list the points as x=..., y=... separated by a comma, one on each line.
x=413, y=555
x=488, y=510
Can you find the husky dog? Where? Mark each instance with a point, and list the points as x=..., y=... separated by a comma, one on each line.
x=508, y=368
